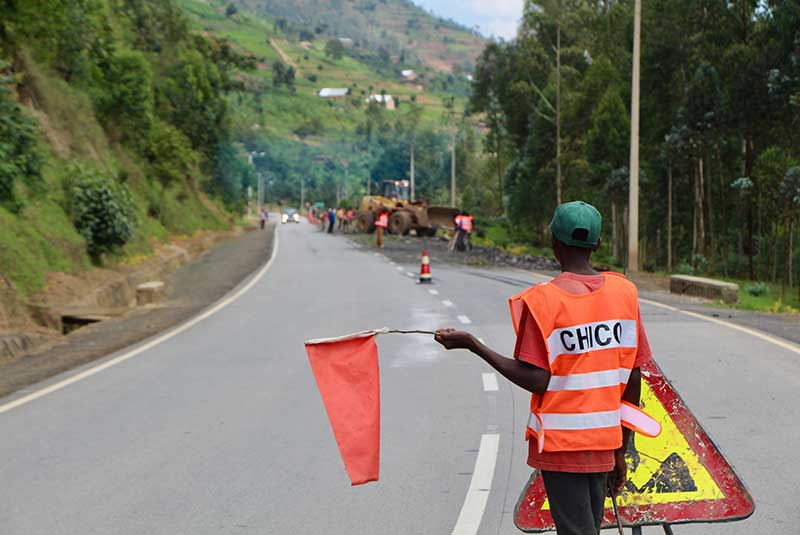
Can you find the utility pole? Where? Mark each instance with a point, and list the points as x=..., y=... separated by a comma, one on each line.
x=558, y=108
x=633, y=191
x=260, y=190
x=413, y=195
x=453, y=170
x=346, y=176
x=302, y=192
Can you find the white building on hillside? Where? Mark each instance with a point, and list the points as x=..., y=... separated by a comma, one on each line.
x=333, y=92
x=386, y=100
x=408, y=75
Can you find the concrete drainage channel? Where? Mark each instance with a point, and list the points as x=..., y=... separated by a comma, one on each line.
x=147, y=294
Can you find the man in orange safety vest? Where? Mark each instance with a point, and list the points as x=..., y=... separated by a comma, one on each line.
x=580, y=344
x=381, y=223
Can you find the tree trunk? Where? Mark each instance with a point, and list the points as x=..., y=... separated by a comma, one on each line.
x=499, y=163
x=710, y=208
x=791, y=255
x=614, y=233
x=748, y=170
x=658, y=249
x=750, y=252
x=623, y=236
x=787, y=259
x=774, y=253
x=669, y=218
x=700, y=205
x=558, y=113
x=694, y=232
x=741, y=253
x=694, y=219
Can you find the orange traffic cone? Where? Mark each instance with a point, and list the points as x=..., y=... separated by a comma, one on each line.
x=425, y=269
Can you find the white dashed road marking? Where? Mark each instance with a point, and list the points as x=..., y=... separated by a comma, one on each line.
x=489, y=382
x=469, y=520
x=433, y=292
x=448, y=303
x=464, y=319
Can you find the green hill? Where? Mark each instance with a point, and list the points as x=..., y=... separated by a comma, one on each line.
x=398, y=26
x=319, y=146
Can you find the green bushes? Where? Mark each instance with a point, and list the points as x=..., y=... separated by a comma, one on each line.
x=20, y=159
x=101, y=210
x=170, y=154
x=128, y=101
x=756, y=289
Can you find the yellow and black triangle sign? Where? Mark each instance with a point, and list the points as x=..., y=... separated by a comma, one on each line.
x=678, y=477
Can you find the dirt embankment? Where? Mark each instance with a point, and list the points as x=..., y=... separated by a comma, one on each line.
x=197, y=272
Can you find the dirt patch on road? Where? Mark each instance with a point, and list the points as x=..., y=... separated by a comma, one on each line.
x=190, y=289
x=408, y=249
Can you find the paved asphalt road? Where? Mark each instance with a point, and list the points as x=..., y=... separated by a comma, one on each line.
x=220, y=429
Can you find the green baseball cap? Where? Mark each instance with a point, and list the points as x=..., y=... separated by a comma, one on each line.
x=577, y=224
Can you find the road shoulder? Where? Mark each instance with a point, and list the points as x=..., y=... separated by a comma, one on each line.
x=191, y=288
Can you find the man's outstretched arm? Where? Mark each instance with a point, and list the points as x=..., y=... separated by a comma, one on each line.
x=524, y=375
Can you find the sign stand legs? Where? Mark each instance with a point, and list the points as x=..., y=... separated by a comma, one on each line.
x=637, y=530
x=668, y=529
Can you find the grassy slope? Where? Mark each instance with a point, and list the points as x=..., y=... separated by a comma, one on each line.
x=41, y=238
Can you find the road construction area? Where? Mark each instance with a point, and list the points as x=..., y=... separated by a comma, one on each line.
x=217, y=427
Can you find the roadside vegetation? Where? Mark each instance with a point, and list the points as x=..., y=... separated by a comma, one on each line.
x=720, y=109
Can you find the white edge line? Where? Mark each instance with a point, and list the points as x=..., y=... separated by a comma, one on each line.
x=152, y=343
x=469, y=520
x=489, y=382
x=752, y=332
x=785, y=344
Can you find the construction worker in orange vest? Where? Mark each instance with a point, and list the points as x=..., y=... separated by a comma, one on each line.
x=381, y=223
x=580, y=344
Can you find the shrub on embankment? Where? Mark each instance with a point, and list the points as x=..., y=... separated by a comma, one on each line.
x=113, y=115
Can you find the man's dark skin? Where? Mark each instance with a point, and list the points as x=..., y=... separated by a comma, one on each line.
x=535, y=379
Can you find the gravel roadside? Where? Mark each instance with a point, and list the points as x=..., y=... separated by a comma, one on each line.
x=190, y=289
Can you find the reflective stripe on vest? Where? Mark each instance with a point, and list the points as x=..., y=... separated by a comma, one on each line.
x=628, y=415
x=591, y=341
x=383, y=220
x=584, y=381
x=466, y=224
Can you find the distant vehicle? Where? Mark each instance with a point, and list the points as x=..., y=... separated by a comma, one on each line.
x=290, y=215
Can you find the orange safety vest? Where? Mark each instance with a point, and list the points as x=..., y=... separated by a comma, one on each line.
x=383, y=220
x=457, y=220
x=591, y=344
x=466, y=224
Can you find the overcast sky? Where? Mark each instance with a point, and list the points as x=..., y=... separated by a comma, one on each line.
x=495, y=17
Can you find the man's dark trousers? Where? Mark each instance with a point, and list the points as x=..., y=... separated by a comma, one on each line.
x=576, y=501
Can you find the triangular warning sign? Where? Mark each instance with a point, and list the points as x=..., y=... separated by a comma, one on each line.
x=679, y=476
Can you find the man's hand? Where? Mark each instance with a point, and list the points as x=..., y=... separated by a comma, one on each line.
x=453, y=339
x=619, y=475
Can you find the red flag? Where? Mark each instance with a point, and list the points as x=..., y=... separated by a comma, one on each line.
x=347, y=374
